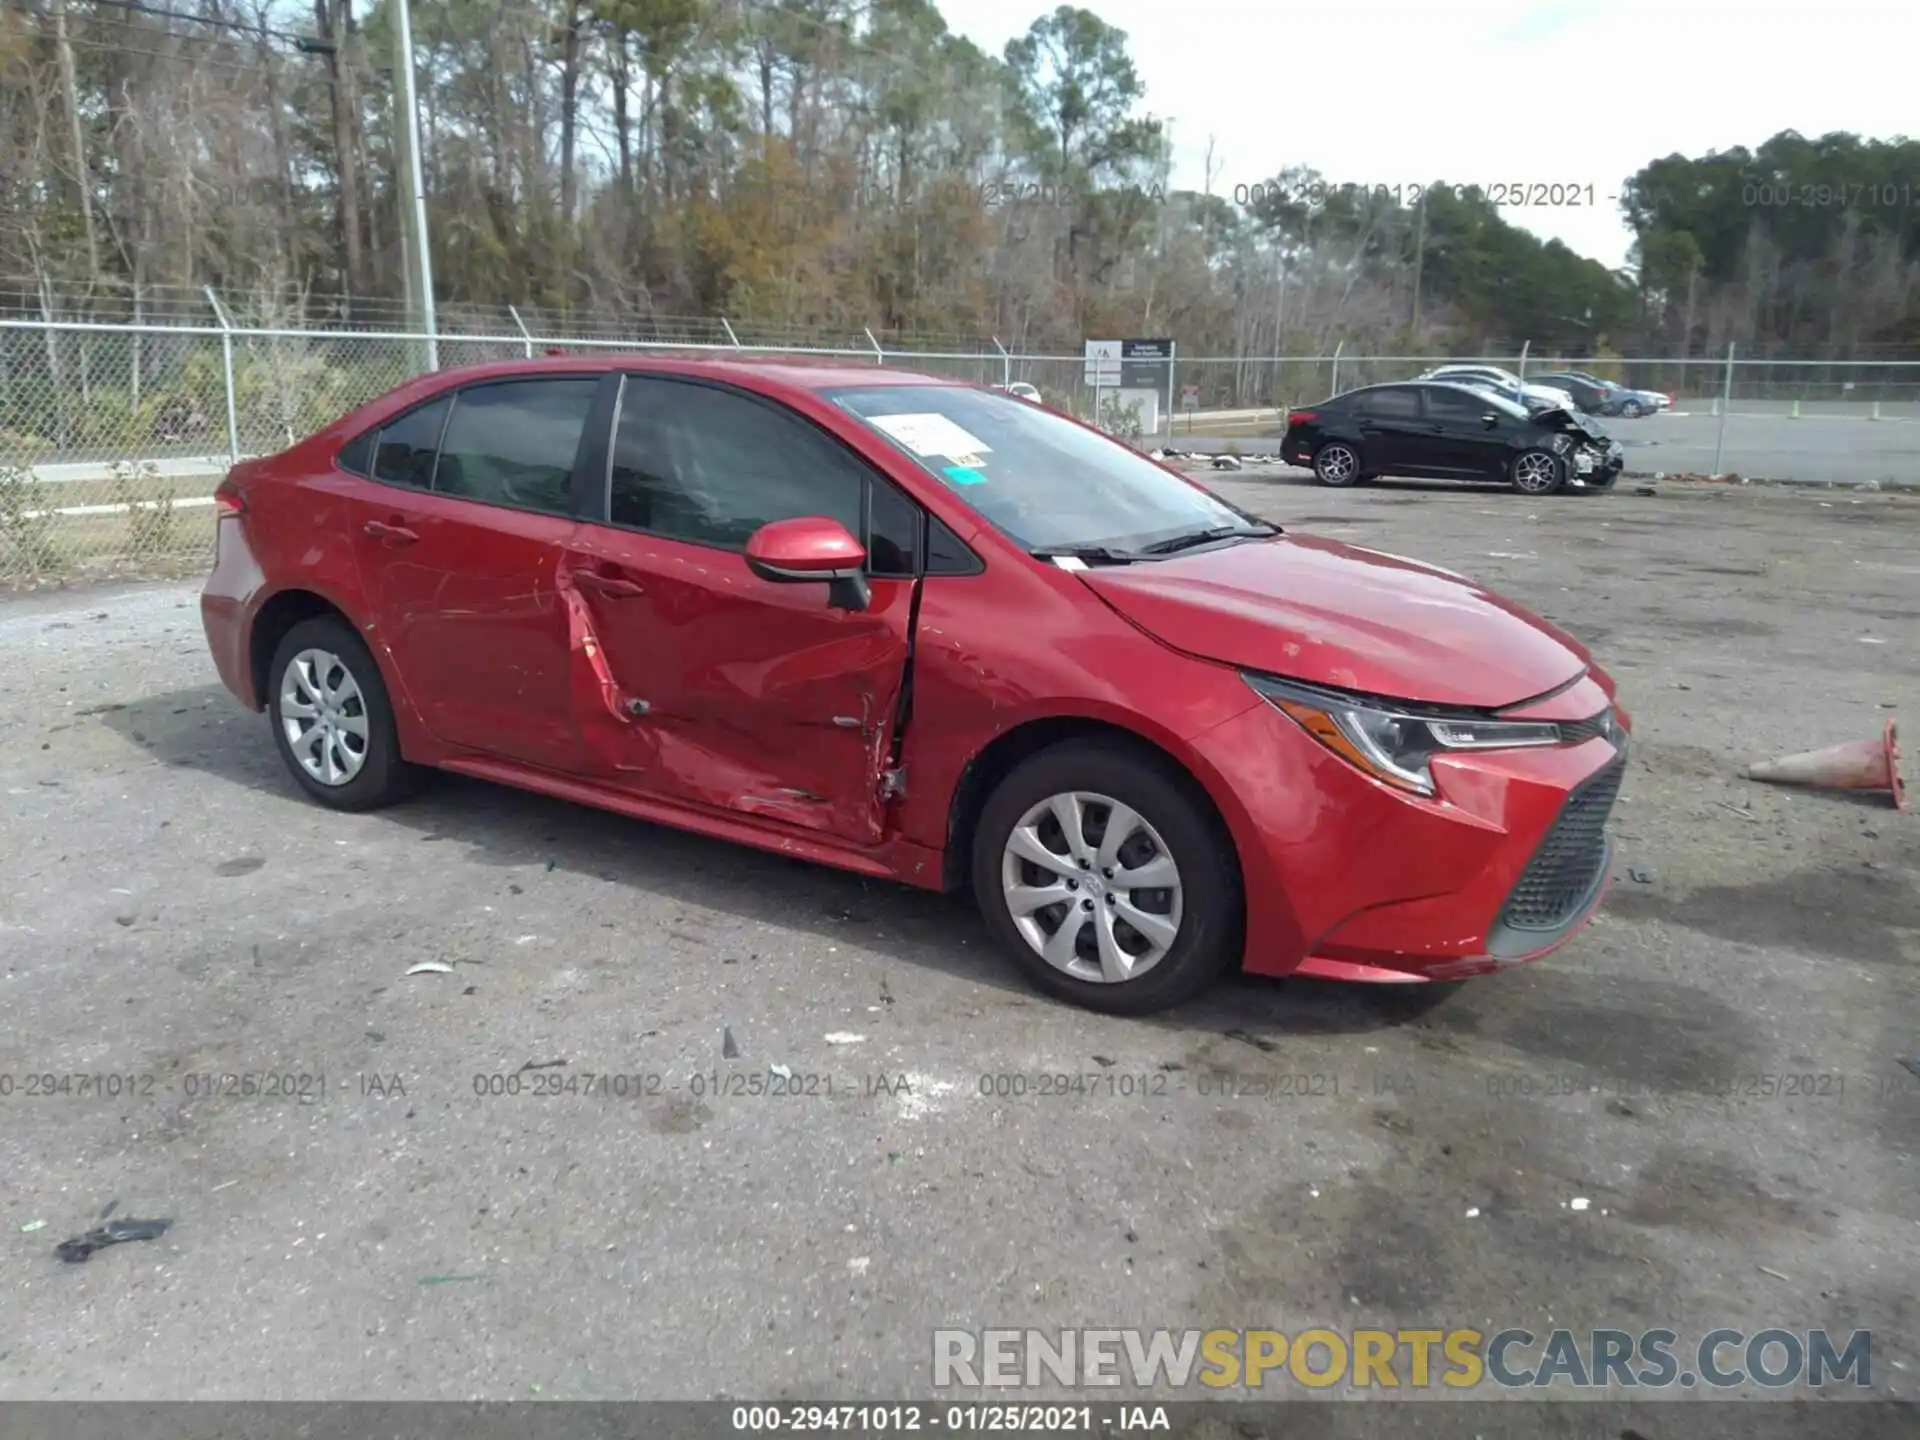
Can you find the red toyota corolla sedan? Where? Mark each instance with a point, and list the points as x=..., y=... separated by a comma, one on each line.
x=928, y=632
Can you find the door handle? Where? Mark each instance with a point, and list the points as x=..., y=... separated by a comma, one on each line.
x=610, y=586
x=389, y=534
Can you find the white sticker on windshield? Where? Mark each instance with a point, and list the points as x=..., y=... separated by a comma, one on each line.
x=930, y=435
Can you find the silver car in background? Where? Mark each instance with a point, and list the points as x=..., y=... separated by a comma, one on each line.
x=1535, y=398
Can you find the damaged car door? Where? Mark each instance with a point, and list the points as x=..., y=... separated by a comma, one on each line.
x=702, y=682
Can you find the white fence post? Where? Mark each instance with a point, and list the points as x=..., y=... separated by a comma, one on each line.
x=1726, y=404
x=1006, y=362
x=724, y=325
x=1173, y=351
x=1525, y=347
x=226, y=365
x=879, y=355
x=1341, y=345
x=525, y=333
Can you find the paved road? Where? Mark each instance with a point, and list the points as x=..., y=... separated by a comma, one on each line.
x=1762, y=447
x=175, y=909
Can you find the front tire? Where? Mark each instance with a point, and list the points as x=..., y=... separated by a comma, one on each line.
x=332, y=720
x=1336, y=464
x=1632, y=410
x=1538, y=472
x=1062, y=858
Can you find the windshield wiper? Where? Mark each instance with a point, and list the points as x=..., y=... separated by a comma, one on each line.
x=1085, y=554
x=1207, y=537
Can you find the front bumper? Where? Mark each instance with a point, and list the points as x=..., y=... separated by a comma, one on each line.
x=1598, y=467
x=1348, y=879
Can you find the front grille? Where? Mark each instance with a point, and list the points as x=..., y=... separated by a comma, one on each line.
x=1575, y=732
x=1567, y=865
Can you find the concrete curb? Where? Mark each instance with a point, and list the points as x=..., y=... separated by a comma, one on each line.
x=1898, y=487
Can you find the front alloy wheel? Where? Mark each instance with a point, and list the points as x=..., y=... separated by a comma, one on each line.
x=1632, y=410
x=1105, y=874
x=1538, y=472
x=1091, y=887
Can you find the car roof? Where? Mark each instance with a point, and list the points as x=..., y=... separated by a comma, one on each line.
x=802, y=372
x=1435, y=384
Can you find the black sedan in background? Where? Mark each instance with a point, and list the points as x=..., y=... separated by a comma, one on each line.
x=1434, y=430
x=1607, y=396
x=1593, y=396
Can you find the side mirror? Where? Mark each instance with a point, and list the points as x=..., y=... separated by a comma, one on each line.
x=811, y=548
x=1490, y=420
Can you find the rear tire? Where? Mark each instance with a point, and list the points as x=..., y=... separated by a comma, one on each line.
x=1337, y=464
x=1072, y=903
x=1632, y=410
x=333, y=721
x=1538, y=472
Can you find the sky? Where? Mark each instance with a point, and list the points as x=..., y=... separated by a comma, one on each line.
x=1573, y=93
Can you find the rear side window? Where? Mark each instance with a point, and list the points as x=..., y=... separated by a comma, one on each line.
x=515, y=443
x=356, y=456
x=1390, y=402
x=404, y=453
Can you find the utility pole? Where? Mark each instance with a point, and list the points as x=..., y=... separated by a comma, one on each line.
x=335, y=21
x=70, y=82
x=413, y=214
x=1419, y=257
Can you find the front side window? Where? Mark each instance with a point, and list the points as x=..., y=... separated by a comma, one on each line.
x=694, y=462
x=1501, y=402
x=514, y=443
x=1036, y=476
x=1446, y=403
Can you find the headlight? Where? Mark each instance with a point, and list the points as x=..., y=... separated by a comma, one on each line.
x=1391, y=744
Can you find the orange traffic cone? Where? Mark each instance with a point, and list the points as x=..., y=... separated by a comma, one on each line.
x=1857, y=765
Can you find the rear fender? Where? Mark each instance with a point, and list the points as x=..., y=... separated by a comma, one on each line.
x=416, y=741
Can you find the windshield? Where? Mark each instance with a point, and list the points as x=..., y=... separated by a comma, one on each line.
x=1046, y=482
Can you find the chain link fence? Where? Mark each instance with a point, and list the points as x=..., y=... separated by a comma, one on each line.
x=114, y=435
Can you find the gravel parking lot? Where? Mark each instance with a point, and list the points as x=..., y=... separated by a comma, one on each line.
x=175, y=910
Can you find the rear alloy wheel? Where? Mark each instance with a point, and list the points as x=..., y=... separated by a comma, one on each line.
x=1336, y=465
x=332, y=721
x=1538, y=472
x=1106, y=880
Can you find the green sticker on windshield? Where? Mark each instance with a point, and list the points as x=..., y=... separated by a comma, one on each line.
x=964, y=475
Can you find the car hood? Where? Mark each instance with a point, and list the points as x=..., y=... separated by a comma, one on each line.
x=1572, y=422
x=1336, y=615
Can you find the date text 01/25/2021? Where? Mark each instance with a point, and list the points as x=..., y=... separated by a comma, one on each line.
x=985, y=1417
x=1533, y=194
